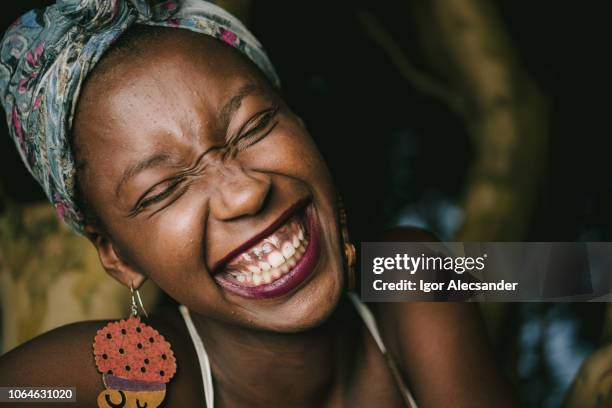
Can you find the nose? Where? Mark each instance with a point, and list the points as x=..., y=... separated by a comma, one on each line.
x=240, y=192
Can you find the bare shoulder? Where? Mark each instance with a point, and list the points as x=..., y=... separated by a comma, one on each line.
x=64, y=357
x=441, y=347
x=60, y=357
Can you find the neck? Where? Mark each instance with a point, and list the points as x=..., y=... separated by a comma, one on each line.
x=280, y=369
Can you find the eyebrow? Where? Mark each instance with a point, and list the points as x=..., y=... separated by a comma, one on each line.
x=227, y=111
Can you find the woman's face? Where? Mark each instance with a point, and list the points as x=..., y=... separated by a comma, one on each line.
x=205, y=182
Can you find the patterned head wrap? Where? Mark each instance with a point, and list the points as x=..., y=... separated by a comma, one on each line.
x=46, y=55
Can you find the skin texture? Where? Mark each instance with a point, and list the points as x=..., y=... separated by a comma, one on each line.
x=306, y=348
x=230, y=187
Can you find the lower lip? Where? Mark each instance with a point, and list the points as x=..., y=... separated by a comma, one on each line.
x=291, y=280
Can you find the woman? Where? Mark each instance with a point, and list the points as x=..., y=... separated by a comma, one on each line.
x=158, y=132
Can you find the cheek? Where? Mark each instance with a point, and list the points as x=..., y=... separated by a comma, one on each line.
x=289, y=150
x=169, y=248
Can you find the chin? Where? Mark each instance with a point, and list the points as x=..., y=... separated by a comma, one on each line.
x=311, y=307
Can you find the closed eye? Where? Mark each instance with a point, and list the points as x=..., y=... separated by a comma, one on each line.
x=256, y=128
x=170, y=189
x=157, y=194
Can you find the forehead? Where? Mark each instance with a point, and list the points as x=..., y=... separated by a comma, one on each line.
x=179, y=66
x=164, y=96
x=160, y=84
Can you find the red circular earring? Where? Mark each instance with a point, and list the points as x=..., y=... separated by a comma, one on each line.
x=135, y=360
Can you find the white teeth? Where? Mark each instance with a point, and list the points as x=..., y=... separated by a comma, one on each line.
x=288, y=250
x=277, y=265
x=275, y=256
x=274, y=240
x=267, y=278
x=253, y=269
x=276, y=259
x=257, y=279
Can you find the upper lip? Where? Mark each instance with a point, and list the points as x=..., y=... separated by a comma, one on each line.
x=285, y=215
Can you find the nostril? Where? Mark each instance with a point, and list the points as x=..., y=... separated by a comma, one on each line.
x=244, y=194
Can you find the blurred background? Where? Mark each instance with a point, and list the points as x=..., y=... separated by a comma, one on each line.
x=479, y=120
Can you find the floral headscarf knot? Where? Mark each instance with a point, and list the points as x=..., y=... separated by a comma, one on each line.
x=47, y=53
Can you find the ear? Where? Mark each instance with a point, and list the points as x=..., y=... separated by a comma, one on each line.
x=112, y=261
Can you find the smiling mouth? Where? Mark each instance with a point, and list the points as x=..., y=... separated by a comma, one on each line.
x=272, y=257
x=278, y=262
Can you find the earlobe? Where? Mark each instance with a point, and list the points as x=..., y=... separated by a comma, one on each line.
x=112, y=261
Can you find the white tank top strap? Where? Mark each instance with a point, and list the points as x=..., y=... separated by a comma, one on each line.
x=362, y=309
x=368, y=319
x=370, y=322
x=209, y=391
